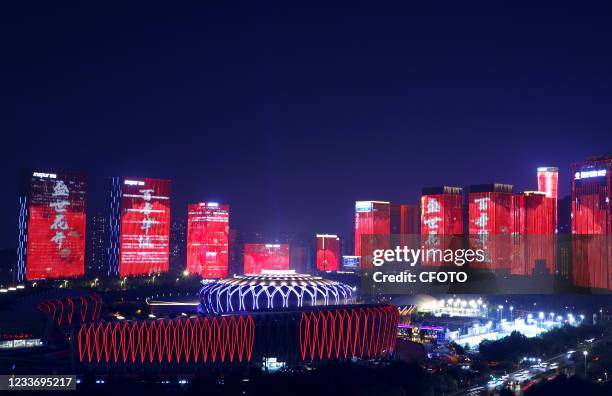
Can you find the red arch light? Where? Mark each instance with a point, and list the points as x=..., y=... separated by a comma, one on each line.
x=348, y=332
x=179, y=340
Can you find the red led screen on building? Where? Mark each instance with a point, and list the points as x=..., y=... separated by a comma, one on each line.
x=208, y=239
x=534, y=229
x=491, y=214
x=260, y=256
x=406, y=222
x=410, y=219
x=592, y=224
x=441, y=221
x=145, y=226
x=591, y=195
x=548, y=183
x=56, y=225
x=328, y=253
x=441, y=214
x=372, y=218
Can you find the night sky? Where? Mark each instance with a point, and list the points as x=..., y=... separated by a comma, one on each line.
x=290, y=114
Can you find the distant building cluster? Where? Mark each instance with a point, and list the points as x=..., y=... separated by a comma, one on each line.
x=137, y=237
x=518, y=231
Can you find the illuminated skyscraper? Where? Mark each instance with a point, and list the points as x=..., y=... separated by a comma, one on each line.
x=405, y=222
x=208, y=239
x=441, y=211
x=441, y=217
x=178, y=244
x=268, y=256
x=548, y=183
x=139, y=226
x=592, y=223
x=96, y=259
x=328, y=252
x=534, y=225
x=52, y=224
x=235, y=263
x=491, y=215
x=372, y=229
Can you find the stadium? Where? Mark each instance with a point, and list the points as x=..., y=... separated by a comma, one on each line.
x=244, y=321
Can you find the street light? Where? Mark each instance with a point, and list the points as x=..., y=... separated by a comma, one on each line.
x=500, y=309
x=511, y=309
x=585, y=353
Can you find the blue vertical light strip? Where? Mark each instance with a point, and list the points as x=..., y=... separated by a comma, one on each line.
x=22, y=244
x=115, y=218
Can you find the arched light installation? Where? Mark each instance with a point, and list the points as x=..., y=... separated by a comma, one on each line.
x=279, y=290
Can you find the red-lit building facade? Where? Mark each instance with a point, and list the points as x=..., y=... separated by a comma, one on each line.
x=328, y=252
x=208, y=239
x=548, y=183
x=260, y=256
x=139, y=226
x=372, y=227
x=441, y=218
x=52, y=224
x=491, y=223
x=534, y=228
x=405, y=222
x=592, y=223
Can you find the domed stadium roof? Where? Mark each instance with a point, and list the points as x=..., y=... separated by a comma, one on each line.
x=272, y=290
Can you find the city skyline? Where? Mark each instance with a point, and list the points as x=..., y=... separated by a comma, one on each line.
x=243, y=106
x=53, y=211
x=352, y=198
x=181, y=213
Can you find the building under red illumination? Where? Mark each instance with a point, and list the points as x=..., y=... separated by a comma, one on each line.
x=441, y=218
x=208, y=239
x=372, y=227
x=534, y=226
x=548, y=183
x=52, y=226
x=490, y=220
x=140, y=226
x=260, y=256
x=405, y=222
x=592, y=223
x=328, y=252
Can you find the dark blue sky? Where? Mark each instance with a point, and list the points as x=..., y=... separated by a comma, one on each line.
x=290, y=114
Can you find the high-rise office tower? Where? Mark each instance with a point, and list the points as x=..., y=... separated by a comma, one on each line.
x=139, y=226
x=234, y=256
x=52, y=226
x=405, y=223
x=328, y=252
x=178, y=245
x=534, y=224
x=208, y=239
x=490, y=218
x=97, y=245
x=265, y=256
x=441, y=218
x=592, y=223
x=372, y=228
x=548, y=183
